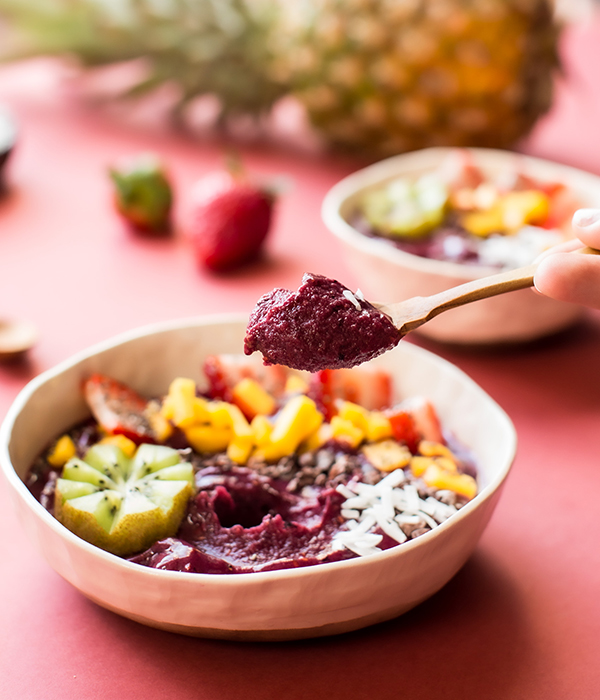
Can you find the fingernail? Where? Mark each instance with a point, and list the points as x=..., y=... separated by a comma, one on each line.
x=586, y=217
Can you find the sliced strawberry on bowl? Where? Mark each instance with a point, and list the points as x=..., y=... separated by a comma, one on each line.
x=230, y=219
x=118, y=409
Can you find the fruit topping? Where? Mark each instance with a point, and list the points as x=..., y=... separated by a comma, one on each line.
x=317, y=468
x=143, y=194
x=321, y=326
x=123, y=504
x=118, y=408
x=229, y=221
x=461, y=214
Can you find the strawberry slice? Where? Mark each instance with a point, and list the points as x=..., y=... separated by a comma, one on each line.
x=118, y=409
x=405, y=430
x=423, y=416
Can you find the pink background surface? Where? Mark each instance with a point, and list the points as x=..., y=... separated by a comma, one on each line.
x=520, y=621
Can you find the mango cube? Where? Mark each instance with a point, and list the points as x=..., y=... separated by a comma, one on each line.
x=354, y=413
x=184, y=406
x=438, y=478
x=484, y=223
x=524, y=207
x=428, y=448
x=295, y=422
x=62, y=451
x=207, y=439
x=419, y=464
x=261, y=429
x=161, y=426
x=387, y=455
x=378, y=426
x=346, y=431
x=253, y=400
x=126, y=445
x=295, y=385
x=239, y=450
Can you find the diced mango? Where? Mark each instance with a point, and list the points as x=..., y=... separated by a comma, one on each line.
x=344, y=430
x=524, y=207
x=378, y=426
x=296, y=421
x=182, y=392
x=228, y=415
x=438, y=478
x=124, y=443
x=219, y=415
x=428, y=448
x=295, y=385
x=253, y=400
x=357, y=415
x=62, y=451
x=387, y=455
x=207, y=439
x=239, y=450
x=261, y=428
x=418, y=464
x=161, y=426
x=484, y=223
x=446, y=463
x=166, y=409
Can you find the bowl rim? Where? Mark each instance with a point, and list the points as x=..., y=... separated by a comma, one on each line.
x=424, y=160
x=22, y=492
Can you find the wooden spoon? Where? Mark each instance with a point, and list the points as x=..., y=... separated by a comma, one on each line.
x=16, y=337
x=412, y=313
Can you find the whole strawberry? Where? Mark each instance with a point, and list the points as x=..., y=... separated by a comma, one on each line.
x=143, y=195
x=230, y=219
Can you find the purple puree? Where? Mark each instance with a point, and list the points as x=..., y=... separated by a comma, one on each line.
x=318, y=327
x=240, y=522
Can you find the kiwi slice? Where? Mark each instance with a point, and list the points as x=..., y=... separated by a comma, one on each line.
x=123, y=504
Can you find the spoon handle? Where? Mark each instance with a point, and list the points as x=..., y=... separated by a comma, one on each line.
x=412, y=313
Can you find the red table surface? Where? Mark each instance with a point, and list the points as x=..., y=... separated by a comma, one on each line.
x=521, y=620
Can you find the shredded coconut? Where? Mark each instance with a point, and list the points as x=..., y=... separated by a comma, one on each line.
x=386, y=505
x=348, y=294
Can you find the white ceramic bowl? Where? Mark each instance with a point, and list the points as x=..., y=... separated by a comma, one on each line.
x=387, y=274
x=289, y=604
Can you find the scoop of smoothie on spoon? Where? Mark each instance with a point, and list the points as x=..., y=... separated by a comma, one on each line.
x=321, y=326
x=326, y=326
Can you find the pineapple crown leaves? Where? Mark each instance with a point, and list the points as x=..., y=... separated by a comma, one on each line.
x=205, y=47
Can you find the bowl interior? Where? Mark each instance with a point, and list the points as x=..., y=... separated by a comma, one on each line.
x=343, y=199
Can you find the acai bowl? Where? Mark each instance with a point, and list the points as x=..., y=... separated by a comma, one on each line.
x=419, y=223
x=289, y=603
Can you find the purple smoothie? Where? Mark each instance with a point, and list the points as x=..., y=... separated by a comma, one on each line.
x=321, y=326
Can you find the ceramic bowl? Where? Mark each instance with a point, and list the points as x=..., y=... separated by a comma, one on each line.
x=387, y=274
x=276, y=605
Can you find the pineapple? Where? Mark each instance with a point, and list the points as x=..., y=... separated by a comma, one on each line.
x=386, y=76
x=377, y=77
x=202, y=47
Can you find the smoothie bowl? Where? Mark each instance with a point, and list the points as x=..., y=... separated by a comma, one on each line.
x=417, y=224
x=223, y=572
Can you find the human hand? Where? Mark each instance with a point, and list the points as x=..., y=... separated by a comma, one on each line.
x=573, y=278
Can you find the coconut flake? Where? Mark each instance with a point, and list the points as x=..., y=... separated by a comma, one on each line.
x=351, y=298
x=387, y=505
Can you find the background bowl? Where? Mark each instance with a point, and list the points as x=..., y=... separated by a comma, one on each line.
x=289, y=604
x=388, y=274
